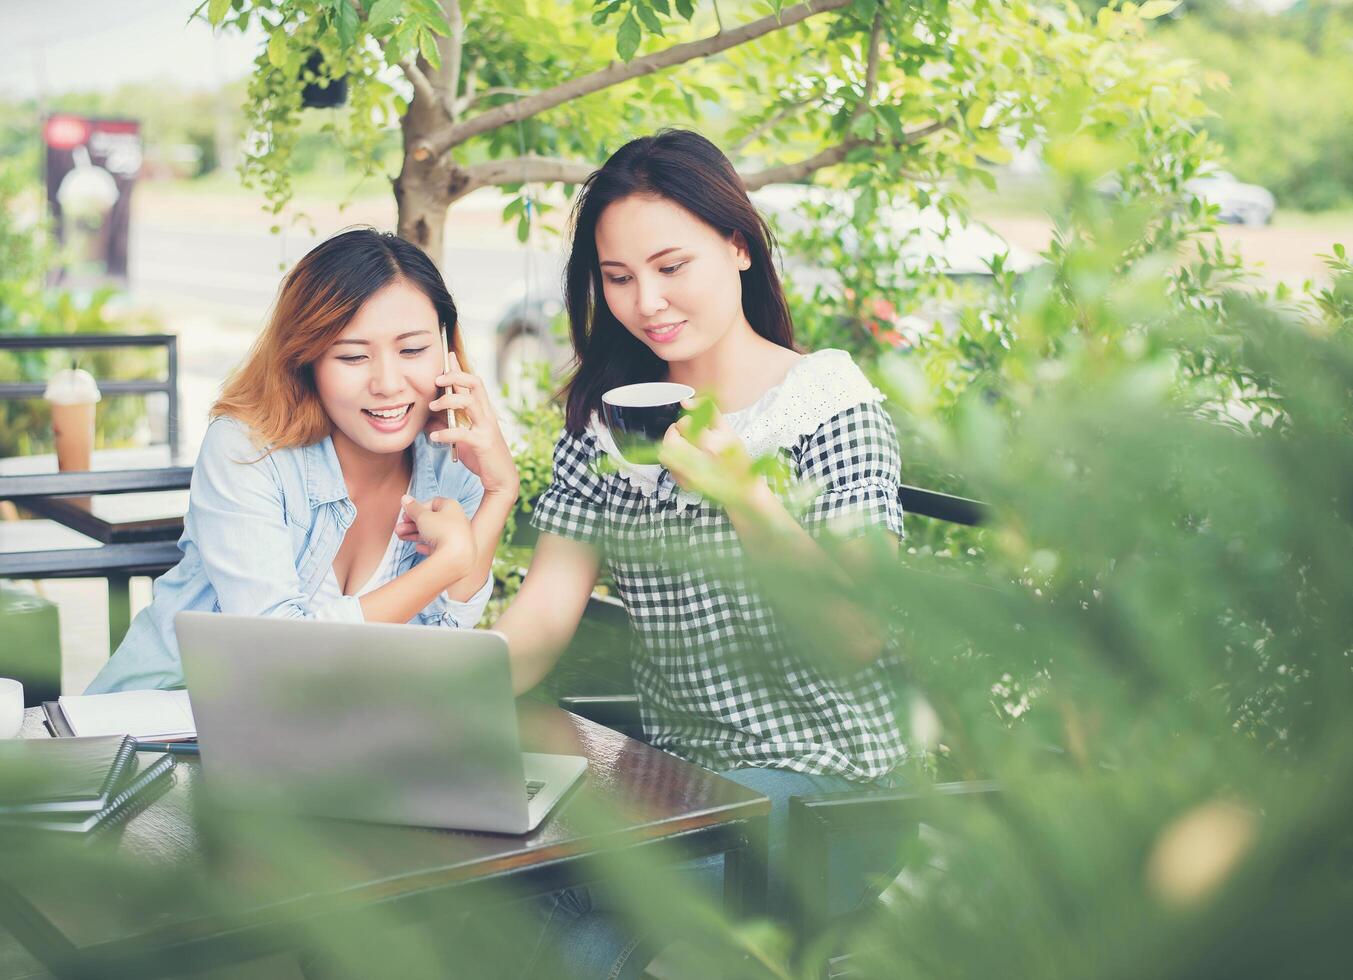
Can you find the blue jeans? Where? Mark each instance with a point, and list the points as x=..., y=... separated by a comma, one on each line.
x=584, y=933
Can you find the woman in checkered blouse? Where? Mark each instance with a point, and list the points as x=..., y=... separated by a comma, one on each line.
x=671, y=278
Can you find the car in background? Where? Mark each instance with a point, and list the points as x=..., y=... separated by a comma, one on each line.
x=532, y=329
x=1237, y=202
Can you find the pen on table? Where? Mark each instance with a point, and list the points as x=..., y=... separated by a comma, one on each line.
x=175, y=748
x=446, y=366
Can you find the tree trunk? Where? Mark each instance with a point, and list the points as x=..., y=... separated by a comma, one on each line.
x=425, y=187
x=421, y=208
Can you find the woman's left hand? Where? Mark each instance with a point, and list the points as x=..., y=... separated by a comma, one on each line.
x=479, y=445
x=711, y=461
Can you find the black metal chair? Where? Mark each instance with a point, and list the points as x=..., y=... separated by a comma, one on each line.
x=814, y=820
x=168, y=386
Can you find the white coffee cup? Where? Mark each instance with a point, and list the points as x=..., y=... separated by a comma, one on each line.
x=639, y=415
x=11, y=707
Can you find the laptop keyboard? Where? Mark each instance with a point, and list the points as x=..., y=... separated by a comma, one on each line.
x=533, y=786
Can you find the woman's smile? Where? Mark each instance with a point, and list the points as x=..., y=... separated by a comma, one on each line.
x=388, y=419
x=664, y=333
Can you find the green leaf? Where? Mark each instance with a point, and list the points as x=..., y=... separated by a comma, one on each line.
x=427, y=46
x=1339, y=250
x=382, y=13
x=650, y=19
x=973, y=117
x=701, y=416
x=686, y=8
x=277, y=48
x=1157, y=8
x=627, y=37
x=216, y=11
x=348, y=25
x=661, y=6
x=602, y=15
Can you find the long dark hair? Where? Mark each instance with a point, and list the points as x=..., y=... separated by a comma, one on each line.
x=688, y=170
x=273, y=392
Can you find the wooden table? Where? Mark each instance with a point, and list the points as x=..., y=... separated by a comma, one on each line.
x=115, y=517
x=114, y=503
x=634, y=798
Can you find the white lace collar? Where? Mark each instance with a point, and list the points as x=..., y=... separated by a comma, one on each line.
x=819, y=386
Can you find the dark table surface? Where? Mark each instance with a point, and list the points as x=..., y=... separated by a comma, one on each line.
x=631, y=794
x=118, y=518
x=115, y=517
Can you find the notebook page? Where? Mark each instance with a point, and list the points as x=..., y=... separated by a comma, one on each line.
x=141, y=714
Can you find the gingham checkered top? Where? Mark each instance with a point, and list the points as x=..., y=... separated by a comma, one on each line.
x=715, y=681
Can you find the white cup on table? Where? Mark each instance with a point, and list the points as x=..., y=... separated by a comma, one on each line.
x=11, y=707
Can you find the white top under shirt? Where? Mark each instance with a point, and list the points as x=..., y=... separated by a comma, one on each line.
x=466, y=614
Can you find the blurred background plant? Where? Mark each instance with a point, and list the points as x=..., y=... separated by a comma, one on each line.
x=28, y=306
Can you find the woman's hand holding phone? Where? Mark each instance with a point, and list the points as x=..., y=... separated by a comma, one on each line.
x=479, y=445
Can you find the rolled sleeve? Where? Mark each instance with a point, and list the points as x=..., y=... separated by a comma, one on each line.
x=573, y=506
x=854, y=458
x=462, y=614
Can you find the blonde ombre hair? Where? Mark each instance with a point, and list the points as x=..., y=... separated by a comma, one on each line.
x=273, y=392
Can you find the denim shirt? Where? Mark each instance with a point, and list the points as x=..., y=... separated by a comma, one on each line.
x=259, y=537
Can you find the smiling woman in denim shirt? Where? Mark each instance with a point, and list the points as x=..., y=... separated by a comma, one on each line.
x=317, y=493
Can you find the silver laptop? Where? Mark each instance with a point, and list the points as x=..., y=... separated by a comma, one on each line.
x=393, y=724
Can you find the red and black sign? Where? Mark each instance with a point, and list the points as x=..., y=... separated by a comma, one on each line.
x=92, y=165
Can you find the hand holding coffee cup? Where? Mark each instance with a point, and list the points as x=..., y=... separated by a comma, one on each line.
x=73, y=395
x=639, y=415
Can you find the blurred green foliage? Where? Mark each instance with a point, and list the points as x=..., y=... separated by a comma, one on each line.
x=1283, y=114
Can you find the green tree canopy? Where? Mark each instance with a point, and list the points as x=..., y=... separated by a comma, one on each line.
x=894, y=95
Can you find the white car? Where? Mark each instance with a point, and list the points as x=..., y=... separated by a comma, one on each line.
x=1238, y=203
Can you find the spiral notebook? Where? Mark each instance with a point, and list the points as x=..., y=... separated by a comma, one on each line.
x=155, y=776
x=68, y=777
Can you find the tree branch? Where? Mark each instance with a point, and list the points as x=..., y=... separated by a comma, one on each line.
x=871, y=70
x=471, y=97
x=789, y=172
x=766, y=125
x=527, y=169
x=443, y=139
x=452, y=48
x=537, y=169
x=422, y=88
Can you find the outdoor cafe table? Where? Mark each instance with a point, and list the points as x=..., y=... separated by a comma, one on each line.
x=652, y=799
x=137, y=530
x=114, y=517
